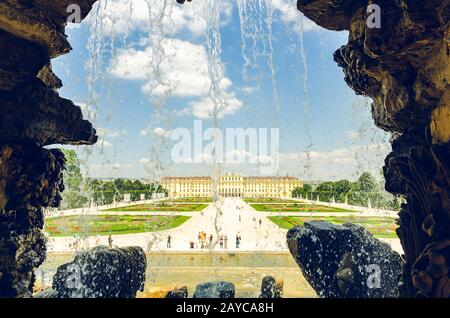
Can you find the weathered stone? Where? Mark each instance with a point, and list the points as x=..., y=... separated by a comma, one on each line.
x=102, y=273
x=32, y=115
x=431, y=271
x=20, y=60
x=30, y=180
x=319, y=12
x=178, y=293
x=34, y=111
x=271, y=287
x=404, y=66
x=41, y=21
x=338, y=261
x=215, y=290
x=49, y=78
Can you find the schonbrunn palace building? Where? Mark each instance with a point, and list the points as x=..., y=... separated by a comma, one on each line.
x=231, y=185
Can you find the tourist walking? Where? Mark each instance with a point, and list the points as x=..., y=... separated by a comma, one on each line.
x=211, y=238
x=110, y=241
x=225, y=242
x=238, y=240
x=221, y=242
x=169, y=242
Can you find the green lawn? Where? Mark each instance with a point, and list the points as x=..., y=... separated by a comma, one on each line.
x=190, y=199
x=268, y=200
x=297, y=207
x=163, y=207
x=111, y=224
x=379, y=227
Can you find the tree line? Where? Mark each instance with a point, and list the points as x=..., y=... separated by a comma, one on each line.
x=80, y=192
x=359, y=193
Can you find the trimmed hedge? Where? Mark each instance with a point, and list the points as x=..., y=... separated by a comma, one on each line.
x=107, y=197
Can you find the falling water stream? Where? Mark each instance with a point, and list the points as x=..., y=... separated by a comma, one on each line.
x=105, y=41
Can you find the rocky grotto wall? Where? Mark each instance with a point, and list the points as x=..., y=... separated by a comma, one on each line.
x=32, y=115
x=404, y=66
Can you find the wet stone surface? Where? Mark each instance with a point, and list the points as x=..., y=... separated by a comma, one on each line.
x=345, y=261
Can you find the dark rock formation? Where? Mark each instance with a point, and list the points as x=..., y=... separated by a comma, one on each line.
x=343, y=261
x=271, y=287
x=178, y=293
x=102, y=273
x=214, y=290
x=30, y=180
x=404, y=66
x=32, y=115
x=30, y=35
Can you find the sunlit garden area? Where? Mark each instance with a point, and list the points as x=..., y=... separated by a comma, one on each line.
x=296, y=207
x=111, y=224
x=379, y=227
x=268, y=200
x=191, y=199
x=160, y=207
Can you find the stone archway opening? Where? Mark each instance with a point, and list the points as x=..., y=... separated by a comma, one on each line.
x=403, y=67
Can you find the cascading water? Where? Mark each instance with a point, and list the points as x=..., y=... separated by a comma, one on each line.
x=106, y=42
x=256, y=22
x=305, y=100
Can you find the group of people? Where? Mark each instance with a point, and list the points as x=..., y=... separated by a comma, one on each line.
x=205, y=241
x=223, y=242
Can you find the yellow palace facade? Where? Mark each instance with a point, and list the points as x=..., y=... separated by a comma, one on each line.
x=231, y=185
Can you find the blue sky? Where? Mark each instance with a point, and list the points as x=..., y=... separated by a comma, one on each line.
x=111, y=74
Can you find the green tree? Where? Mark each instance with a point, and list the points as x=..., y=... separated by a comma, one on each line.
x=120, y=184
x=73, y=181
x=366, y=183
x=342, y=187
x=303, y=191
x=327, y=187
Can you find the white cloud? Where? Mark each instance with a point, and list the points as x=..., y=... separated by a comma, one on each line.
x=162, y=132
x=336, y=163
x=288, y=14
x=333, y=164
x=184, y=69
x=205, y=108
x=116, y=166
x=184, y=73
x=119, y=17
x=87, y=111
x=108, y=133
x=352, y=135
x=144, y=161
x=104, y=144
x=249, y=89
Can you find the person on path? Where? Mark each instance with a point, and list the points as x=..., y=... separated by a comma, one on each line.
x=110, y=241
x=238, y=240
x=169, y=242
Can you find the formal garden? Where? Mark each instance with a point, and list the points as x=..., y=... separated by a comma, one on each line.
x=191, y=200
x=111, y=224
x=268, y=200
x=295, y=207
x=160, y=207
x=379, y=227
